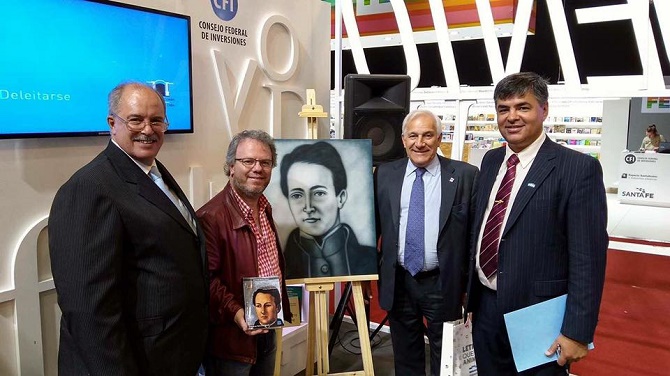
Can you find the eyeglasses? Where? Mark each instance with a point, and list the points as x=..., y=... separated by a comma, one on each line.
x=251, y=162
x=137, y=124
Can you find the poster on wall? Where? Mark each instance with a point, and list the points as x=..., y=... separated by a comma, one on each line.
x=322, y=198
x=644, y=179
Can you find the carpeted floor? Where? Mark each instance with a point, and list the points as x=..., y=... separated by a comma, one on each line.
x=346, y=353
x=633, y=334
x=632, y=337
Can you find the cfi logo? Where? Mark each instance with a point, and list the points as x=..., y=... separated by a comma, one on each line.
x=630, y=158
x=163, y=88
x=225, y=9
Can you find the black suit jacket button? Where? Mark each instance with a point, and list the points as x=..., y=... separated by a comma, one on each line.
x=324, y=269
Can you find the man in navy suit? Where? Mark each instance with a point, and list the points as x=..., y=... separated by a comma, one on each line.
x=551, y=238
x=127, y=257
x=430, y=287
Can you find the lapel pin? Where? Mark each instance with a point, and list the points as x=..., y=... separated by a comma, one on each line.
x=451, y=180
x=532, y=185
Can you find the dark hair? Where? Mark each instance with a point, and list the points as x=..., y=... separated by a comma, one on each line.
x=114, y=97
x=270, y=291
x=518, y=84
x=652, y=129
x=253, y=134
x=320, y=153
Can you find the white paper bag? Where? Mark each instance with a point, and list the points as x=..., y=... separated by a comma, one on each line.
x=458, y=355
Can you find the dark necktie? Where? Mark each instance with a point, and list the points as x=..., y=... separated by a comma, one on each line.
x=414, y=233
x=155, y=175
x=488, y=255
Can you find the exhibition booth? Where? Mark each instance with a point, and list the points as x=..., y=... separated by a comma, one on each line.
x=227, y=66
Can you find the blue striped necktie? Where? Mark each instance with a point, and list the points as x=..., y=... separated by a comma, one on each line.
x=414, y=233
x=158, y=179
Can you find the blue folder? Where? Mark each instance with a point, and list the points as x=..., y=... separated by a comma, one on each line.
x=533, y=329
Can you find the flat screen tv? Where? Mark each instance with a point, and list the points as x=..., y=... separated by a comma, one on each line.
x=60, y=58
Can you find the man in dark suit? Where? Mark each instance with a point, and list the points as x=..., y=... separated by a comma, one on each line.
x=423, y=207
x=541, y=232
x=129, y=267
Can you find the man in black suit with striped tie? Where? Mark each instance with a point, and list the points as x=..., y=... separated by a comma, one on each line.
x=128, y=258
x=540, y=233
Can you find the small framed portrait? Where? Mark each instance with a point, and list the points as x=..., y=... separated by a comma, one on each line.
x=262, y=302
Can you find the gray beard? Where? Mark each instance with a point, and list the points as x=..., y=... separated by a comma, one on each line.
x=247, y=193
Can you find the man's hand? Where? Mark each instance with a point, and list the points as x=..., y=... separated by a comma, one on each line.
x=239, y=320
x=568, y=350
x=366, y=286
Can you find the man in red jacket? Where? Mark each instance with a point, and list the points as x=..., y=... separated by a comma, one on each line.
x=241, y=242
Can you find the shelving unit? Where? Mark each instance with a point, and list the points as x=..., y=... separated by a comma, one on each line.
x=448, y=130
x=582, y=133
x=469, y=129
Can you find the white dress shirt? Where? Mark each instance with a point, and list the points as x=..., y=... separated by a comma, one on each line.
x=526, y=158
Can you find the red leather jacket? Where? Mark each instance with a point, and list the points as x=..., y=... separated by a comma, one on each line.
x=231, y=252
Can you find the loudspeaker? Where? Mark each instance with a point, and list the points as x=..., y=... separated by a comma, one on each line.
x=374, y=107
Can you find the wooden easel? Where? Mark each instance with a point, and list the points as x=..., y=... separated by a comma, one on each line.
x=319, y=288
x=317, y=326
x=312, y=112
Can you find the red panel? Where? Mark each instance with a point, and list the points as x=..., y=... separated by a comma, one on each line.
x=458, y=13
x=634, y=323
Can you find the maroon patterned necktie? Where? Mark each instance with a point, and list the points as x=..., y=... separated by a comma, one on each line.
x=488, y=254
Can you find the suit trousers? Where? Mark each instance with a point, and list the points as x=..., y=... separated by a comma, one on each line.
x=493, y=352
x=417, y=298
x=266, y=350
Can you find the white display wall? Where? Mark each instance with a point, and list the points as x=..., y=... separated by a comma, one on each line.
x=259, y=84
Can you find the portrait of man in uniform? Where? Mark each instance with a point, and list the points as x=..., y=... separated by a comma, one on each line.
x=315, y=185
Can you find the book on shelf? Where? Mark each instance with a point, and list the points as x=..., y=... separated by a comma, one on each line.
x=294, y=293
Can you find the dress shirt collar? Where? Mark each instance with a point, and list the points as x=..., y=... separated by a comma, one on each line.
x=247, y=212
x=432, y=168
x=139, y=164
x=527, y=155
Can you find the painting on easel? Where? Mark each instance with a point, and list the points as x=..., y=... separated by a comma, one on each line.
x=322, y=198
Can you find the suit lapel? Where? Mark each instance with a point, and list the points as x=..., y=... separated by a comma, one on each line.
x=395, y=190
x=182, y=197
x=489, y=171
x=449, y=185
x=144, y=186
x=169, y=180
x=542, y=166
x=150, y=191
